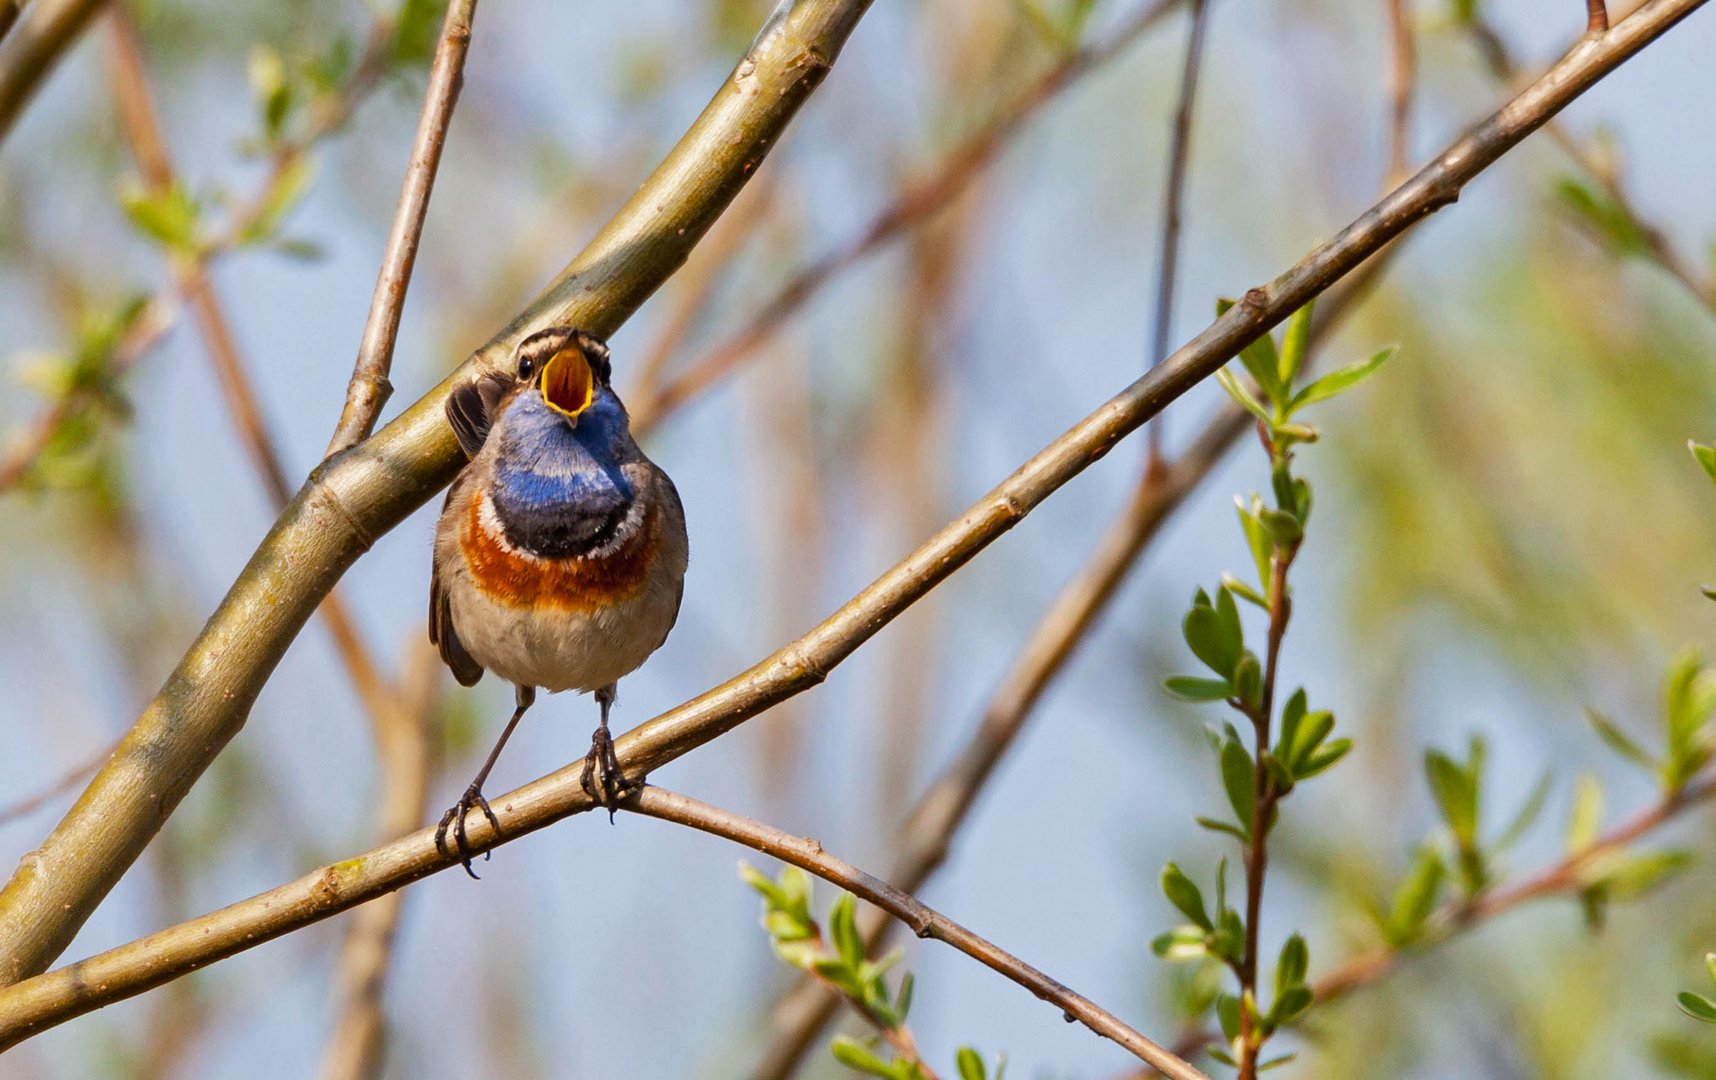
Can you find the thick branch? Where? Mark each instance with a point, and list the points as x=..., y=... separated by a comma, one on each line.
x=370, y=388
x=918, y=202
x=358, y=495
x=925, y=922
x=33, y=48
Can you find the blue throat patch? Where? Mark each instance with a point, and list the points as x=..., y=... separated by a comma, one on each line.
x=558, y=489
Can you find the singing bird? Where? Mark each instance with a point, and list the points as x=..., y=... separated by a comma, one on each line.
x=561, y=551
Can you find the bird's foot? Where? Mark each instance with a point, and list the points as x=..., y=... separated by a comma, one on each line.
x=602, y=779
x=454, y=819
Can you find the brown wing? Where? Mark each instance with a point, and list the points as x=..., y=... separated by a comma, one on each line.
x=472, y=405
x=442, y=633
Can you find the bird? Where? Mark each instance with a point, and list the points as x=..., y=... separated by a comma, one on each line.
x=560, y=554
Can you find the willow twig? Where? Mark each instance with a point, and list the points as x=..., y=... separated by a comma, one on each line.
x=1403, y=71
x=925, y=922
x=368, y=489
x=360, y=494
x=1498, y=58
x=369, y=388
x=1173, y=194
x=915, y=204
x=34, y=47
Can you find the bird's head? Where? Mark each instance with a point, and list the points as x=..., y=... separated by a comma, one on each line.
x=569, y=369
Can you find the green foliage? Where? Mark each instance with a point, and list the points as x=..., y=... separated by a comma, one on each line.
x=1457, y=787
x=172, y=217
x=1688, y=703
x=1256, y=778
x=1604, y=217
x=1698, y=1006
x=798, y=940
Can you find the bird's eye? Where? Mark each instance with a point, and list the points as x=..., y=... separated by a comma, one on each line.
x=526, y=367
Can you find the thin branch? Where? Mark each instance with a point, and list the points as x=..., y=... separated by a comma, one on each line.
x=354, y=1049
x=370, y=388
x=916, y=203
x=71, y=779
x=926, y=837
x=923, y=921
x=358, y=496
x=1596, y=16
x=135, y=102
x=1179, y=160
x=1403, y=73
x=1499, y=60
x=164, y=306
x=34, y=48
x=1561, y=878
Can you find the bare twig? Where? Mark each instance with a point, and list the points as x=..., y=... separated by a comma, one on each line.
x=354, y=1048
x=917, y=202
x=142, y=126
x=1179, y=159
x=925, y=922
x=1562, y=878
x=1499, y=59
x=33, y=49
x=358, y=496
x=72, y=778
x=370, y=388
x=1402, y=76
x=1596, y=16
x=164, y=307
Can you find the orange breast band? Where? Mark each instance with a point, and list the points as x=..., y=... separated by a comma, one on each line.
x=576, y=584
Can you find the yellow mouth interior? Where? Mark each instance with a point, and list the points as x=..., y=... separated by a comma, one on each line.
x=567, y=382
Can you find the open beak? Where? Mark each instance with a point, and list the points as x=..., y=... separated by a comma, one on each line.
x=567, y=383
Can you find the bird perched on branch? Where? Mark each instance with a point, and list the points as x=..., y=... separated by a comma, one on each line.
x=561, y=551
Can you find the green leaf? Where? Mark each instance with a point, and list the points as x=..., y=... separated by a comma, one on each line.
x=1277, y=1062
x=1260, y=360
x=1705, y=456
x=1243, y=591
x=282, y=195
x=1294, y=341
x=1697, y=1007
x=1215, y=825
x=1689, y=697
x=170, y=216
x=1227, y=1012
x=970, y=1064
x=853, y=1054
x=843, y=928
x=1619, y=741
x=1248, y=679
x=1456, y=795
x=1290, y=1006
x=1325, y=758
x=1710, y=965
x=1212, y=631
x=1241, y=395
x=1587, y=816
x=1186, y=942
x=1339, y=381
x=1292, y=714
x=1604, y=216
x=903, y=1002
x=1238, y=776
x=1193, y=688
x=1257, y=537
x=1636, y=876
x=415, y=28
x=1527, y=815
x=1183, y=893
x=273, y=90
x=1415, y=899
x=1290, y=969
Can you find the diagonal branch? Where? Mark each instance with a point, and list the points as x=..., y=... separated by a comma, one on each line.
x=371, y=487
x=357, y=496
x=370, y=388
x=923, y=921
x=918, y=202
x=926, y=837
x=34, y=47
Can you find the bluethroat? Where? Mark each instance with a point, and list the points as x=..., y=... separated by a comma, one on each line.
x=560, y=554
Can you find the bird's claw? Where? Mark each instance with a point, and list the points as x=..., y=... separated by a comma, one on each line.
x=454, y=818
x=602, y=779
